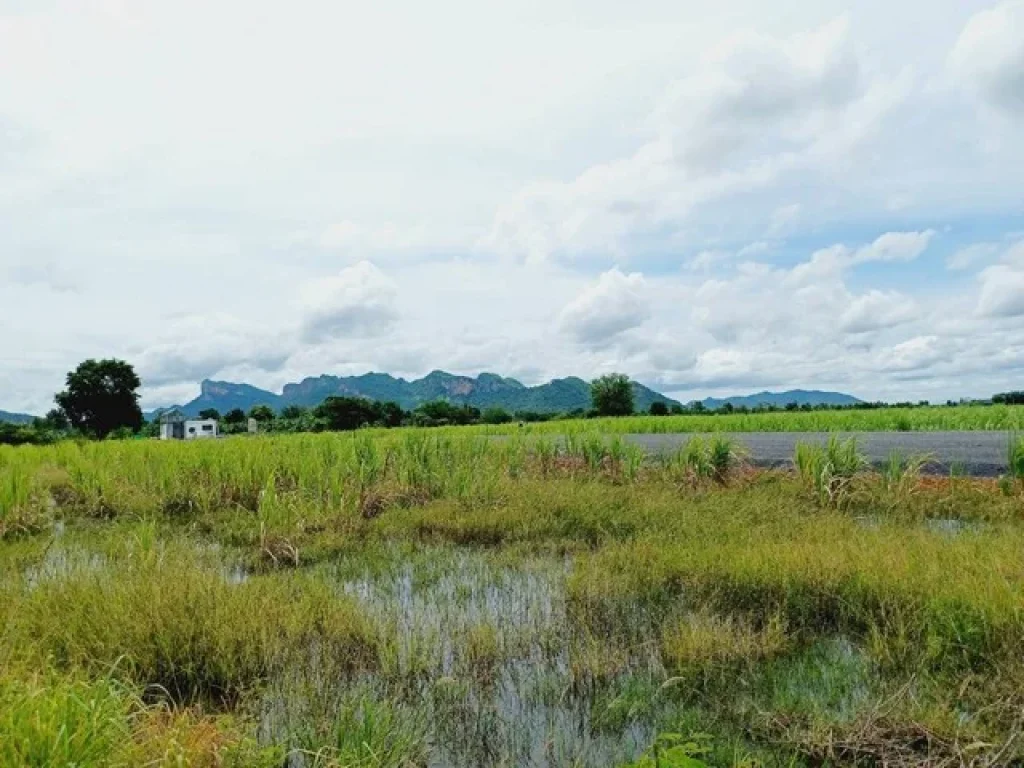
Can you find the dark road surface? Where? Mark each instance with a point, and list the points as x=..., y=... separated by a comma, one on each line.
x=982, y=454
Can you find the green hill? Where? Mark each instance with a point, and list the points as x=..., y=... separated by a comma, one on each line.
x=16, y=418
x=782, y=399
x=484, y=391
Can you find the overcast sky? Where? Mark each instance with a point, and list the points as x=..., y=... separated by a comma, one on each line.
x=712, y=197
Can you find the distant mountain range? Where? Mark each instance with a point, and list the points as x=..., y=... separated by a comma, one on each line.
x=484, y=391
x=782, y=399
x=16, y=418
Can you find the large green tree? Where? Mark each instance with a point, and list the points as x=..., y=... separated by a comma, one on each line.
x=234, y=416
x=101, y=396
x=261, y=413
x=612, y=395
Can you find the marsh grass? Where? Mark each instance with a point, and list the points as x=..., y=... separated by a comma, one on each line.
x=704, y=642
x=417, y=597
x=54, y=720
x=167, y=622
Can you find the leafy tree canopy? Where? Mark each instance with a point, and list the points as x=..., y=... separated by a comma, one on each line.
x=209, y=413
x=612, y=395
x=1009, y=398
x=234, y=416
x=293, y=412
x=262, y=413
x=345, y=413
x=439, y=412
x=101, y=396
x=496, y=416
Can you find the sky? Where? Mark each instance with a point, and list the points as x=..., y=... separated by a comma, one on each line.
x=713, y=198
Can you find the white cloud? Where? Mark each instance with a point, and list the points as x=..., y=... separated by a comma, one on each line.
x=604, y=309
x=207, y=215
x=358, y=301
x=914, y=354
x=753, y=249
x=895, y=246
x=971, y=255
x=707, y=259
x=1014, y=255
x=989, y=56
x=1002, y=285
x=876, y=310
x=782, y=218
x=195, y=347
x=1002, y=292
x=756, y=108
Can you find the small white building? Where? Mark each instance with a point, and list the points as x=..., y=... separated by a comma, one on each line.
x=196, y=429
x=174, y=426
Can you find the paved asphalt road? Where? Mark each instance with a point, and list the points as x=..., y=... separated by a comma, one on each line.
x=982, y=454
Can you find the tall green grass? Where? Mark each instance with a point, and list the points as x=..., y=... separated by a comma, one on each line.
x=829, y=470
x=167, y=621
x=1015, y=457
x=932, y=418
x=47, y=720
x=658, y=588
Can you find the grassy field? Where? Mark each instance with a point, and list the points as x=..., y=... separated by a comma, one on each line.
x=414, y=598
x=930, y=418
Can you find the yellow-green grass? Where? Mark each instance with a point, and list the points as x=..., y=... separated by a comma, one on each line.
x=916, y=596
x=57, y=720
x=926, y=418
x=165, y=619
x=162, y=599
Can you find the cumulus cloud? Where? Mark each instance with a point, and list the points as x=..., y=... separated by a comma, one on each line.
x=894, y=246
x=756, y=91
x=876, y=310
x=358, y=301
x=606, y=308
x=1002, y=292
x=971, y=255
x=1002, y=285
x=989, y=56
x=756, y=108
x=196, y=347
x=914, y=354
x=707, y=259
x=827, y=263
x=655, y=140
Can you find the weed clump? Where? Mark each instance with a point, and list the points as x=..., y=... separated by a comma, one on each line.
x=828, y=471
x=168, y=623
x=704, y=642
x=702, y=459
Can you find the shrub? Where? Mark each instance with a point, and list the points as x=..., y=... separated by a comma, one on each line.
x=496, y=416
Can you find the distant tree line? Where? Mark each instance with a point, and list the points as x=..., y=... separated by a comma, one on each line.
x=339, y=413
x=1009, y=398
x=100, y=401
